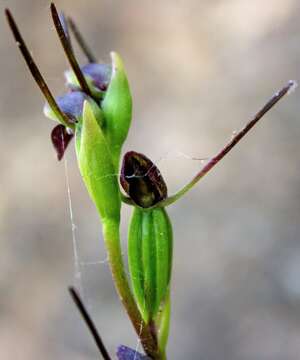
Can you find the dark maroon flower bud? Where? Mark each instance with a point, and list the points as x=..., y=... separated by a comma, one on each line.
x=142, y=180
x=61, y=137
x=126, y=353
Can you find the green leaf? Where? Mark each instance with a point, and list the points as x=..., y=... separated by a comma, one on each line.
x=96, y=165
x=117, y=108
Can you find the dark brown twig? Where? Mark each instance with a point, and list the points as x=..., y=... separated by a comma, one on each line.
x=237, y=137
x=89, y=322
x=64, y=23
x=81, y=42
x=68, y=50
x=35, y=71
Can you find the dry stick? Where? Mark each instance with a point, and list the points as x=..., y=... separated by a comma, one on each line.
x=68, y=50
x=213, y=161
x=89, y=323
x=81, y=42
x=35, y=71
x=64, y=24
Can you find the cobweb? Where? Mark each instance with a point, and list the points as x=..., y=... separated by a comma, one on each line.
x=77, y=266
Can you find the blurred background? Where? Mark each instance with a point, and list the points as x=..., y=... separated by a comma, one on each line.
x=198, y=71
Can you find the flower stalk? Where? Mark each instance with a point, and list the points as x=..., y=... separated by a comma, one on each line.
x=112, y=242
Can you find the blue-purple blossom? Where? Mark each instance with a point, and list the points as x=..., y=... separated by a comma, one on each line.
x=70, y=104
x=99, y=73
x=126, y=353
x=97, y=76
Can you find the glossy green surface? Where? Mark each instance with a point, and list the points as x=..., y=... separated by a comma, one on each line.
x=96, y=166
x=150, y=258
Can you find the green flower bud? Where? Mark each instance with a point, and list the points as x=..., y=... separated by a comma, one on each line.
x=150, y=258
x=117, y=108
x=109, y=84
x=96, y=165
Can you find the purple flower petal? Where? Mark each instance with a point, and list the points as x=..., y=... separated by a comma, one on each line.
x=126, y=353
x=99, y=73
x=60, y=139
x=72, y=104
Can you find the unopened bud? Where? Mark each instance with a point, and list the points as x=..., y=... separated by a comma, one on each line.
x=142, y=180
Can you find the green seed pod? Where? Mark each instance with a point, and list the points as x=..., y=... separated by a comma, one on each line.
x=117, y=108
x=150, y=258
x=96, y=165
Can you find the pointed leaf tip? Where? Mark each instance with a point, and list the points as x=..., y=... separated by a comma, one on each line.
x=117, y=63
x=117, y=106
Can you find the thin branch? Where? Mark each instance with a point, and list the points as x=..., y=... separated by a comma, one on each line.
x=68, y=50
x=89, y=322
x=214, y=161
x=64, y=23
x=35, y=71
x=81, y=42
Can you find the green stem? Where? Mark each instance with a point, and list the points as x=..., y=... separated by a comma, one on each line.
x=111, y=232
x=225, y=150
x=163, y=356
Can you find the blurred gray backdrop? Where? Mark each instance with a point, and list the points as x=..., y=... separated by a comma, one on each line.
x=199, y=69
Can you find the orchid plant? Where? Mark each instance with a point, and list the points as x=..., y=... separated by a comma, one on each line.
x=96, y=110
